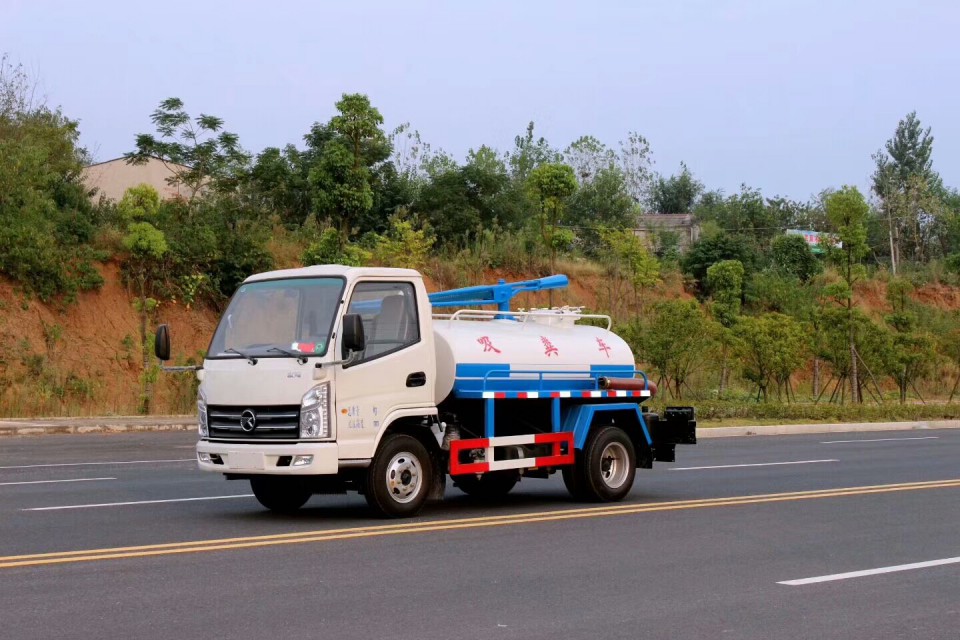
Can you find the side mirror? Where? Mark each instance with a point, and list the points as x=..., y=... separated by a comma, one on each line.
x=161, y=343
x=353, y=336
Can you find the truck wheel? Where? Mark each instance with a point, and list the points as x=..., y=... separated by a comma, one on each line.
x=605, y=469
x=573, y=479
x=399, y=480
x=282, y=495
x=489, y=486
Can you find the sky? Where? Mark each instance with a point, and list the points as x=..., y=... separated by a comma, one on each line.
x=790, y=97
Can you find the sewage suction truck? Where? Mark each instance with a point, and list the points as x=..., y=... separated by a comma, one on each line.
x=328, y=379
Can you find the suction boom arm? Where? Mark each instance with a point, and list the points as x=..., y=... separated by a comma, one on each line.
x=499, y=294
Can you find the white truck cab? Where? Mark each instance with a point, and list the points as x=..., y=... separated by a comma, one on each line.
x=325, y=379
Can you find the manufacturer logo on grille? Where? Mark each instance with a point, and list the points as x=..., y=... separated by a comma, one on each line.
x=248, y=420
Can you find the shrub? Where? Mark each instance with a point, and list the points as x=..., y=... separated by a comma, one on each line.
x=328, y=250
x=791, y=256
x=403, y=245
x=823, y=411
x=769, y=290
x=709, y=251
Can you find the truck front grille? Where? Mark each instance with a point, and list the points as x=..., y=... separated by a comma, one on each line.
x=269, y=423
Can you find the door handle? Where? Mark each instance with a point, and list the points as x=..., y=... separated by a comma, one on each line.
x=417, y=379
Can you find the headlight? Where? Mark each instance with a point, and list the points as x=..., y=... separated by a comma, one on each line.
x=202, y=415
x=315, y=412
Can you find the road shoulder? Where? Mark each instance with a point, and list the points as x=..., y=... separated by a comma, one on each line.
x=135, y=424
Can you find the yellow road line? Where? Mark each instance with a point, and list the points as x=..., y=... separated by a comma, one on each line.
x=329, y=535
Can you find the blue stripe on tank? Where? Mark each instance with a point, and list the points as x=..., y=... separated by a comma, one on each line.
x=476, y=377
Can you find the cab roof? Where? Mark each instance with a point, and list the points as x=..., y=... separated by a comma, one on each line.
x=338, y=270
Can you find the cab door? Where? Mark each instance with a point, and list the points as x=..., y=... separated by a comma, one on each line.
x=393, y=373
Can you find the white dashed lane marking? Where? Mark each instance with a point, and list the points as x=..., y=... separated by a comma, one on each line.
x=11, y=484
x=880, y=440
x=754, y=464
x=870, y=572
x=91, y=464
x=138, y=502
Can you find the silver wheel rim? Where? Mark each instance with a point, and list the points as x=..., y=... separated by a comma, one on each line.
x=614, y=465
x=404, y=477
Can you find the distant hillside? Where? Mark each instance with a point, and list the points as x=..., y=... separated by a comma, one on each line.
x=83, y=358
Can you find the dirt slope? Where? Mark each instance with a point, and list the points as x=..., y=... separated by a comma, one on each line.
x=83, y=358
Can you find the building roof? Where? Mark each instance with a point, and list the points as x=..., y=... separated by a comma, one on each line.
x=112, y=178
x=666, y=220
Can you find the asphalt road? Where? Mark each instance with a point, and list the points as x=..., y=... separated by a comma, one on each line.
x=701, y=549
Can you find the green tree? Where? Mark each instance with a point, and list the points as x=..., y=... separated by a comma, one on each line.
x=912, y=355
x=347, y=149
x=603, y=201
x=675, y=342
x=529, y=153
x=912, y=352
x=459, y=202
x=551, y=185
x=772, y=348
x=139, y=204
x=278, y=183
x=772, y=291
x=708, y=251
x=46, y=219
x=905, y=181
x=676, y=194
x=725, y=285
x=146, y=248
x=219, y=237
x=588, y=157
x=404, y=245
x=627, y=261
x=833, y=326
x=452, y=207
x=410, y=156
x=328, y=249
x=907, y=154
x=745, y=215
x=757, y=351
x=791, y=256
x=948, y=344
x=949, y=227
x=635, y=163
x=847, y=212
x=784, y=213
x=197, y=151
x=902, y=318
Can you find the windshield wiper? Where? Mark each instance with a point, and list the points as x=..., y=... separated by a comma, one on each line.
x=250, y=359
x=302, y=359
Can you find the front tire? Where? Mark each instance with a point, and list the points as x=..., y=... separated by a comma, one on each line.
x=605, y=469
x=280, y=494
x=399, y=479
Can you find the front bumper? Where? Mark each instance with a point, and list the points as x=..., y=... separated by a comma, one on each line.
x=276, y=459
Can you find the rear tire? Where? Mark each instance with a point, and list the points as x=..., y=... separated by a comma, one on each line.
x=605, y=469
x=573, y=479
x=399, y=479
x=489, y=486
x=280, y=494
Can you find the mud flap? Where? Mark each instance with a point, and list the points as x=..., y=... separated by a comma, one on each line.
x=439, y=478
x=677, y=425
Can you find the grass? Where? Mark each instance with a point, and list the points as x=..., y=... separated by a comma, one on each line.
x=763, y=422
x=715, y=413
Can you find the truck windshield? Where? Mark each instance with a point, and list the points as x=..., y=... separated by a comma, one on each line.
x=279, y=319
